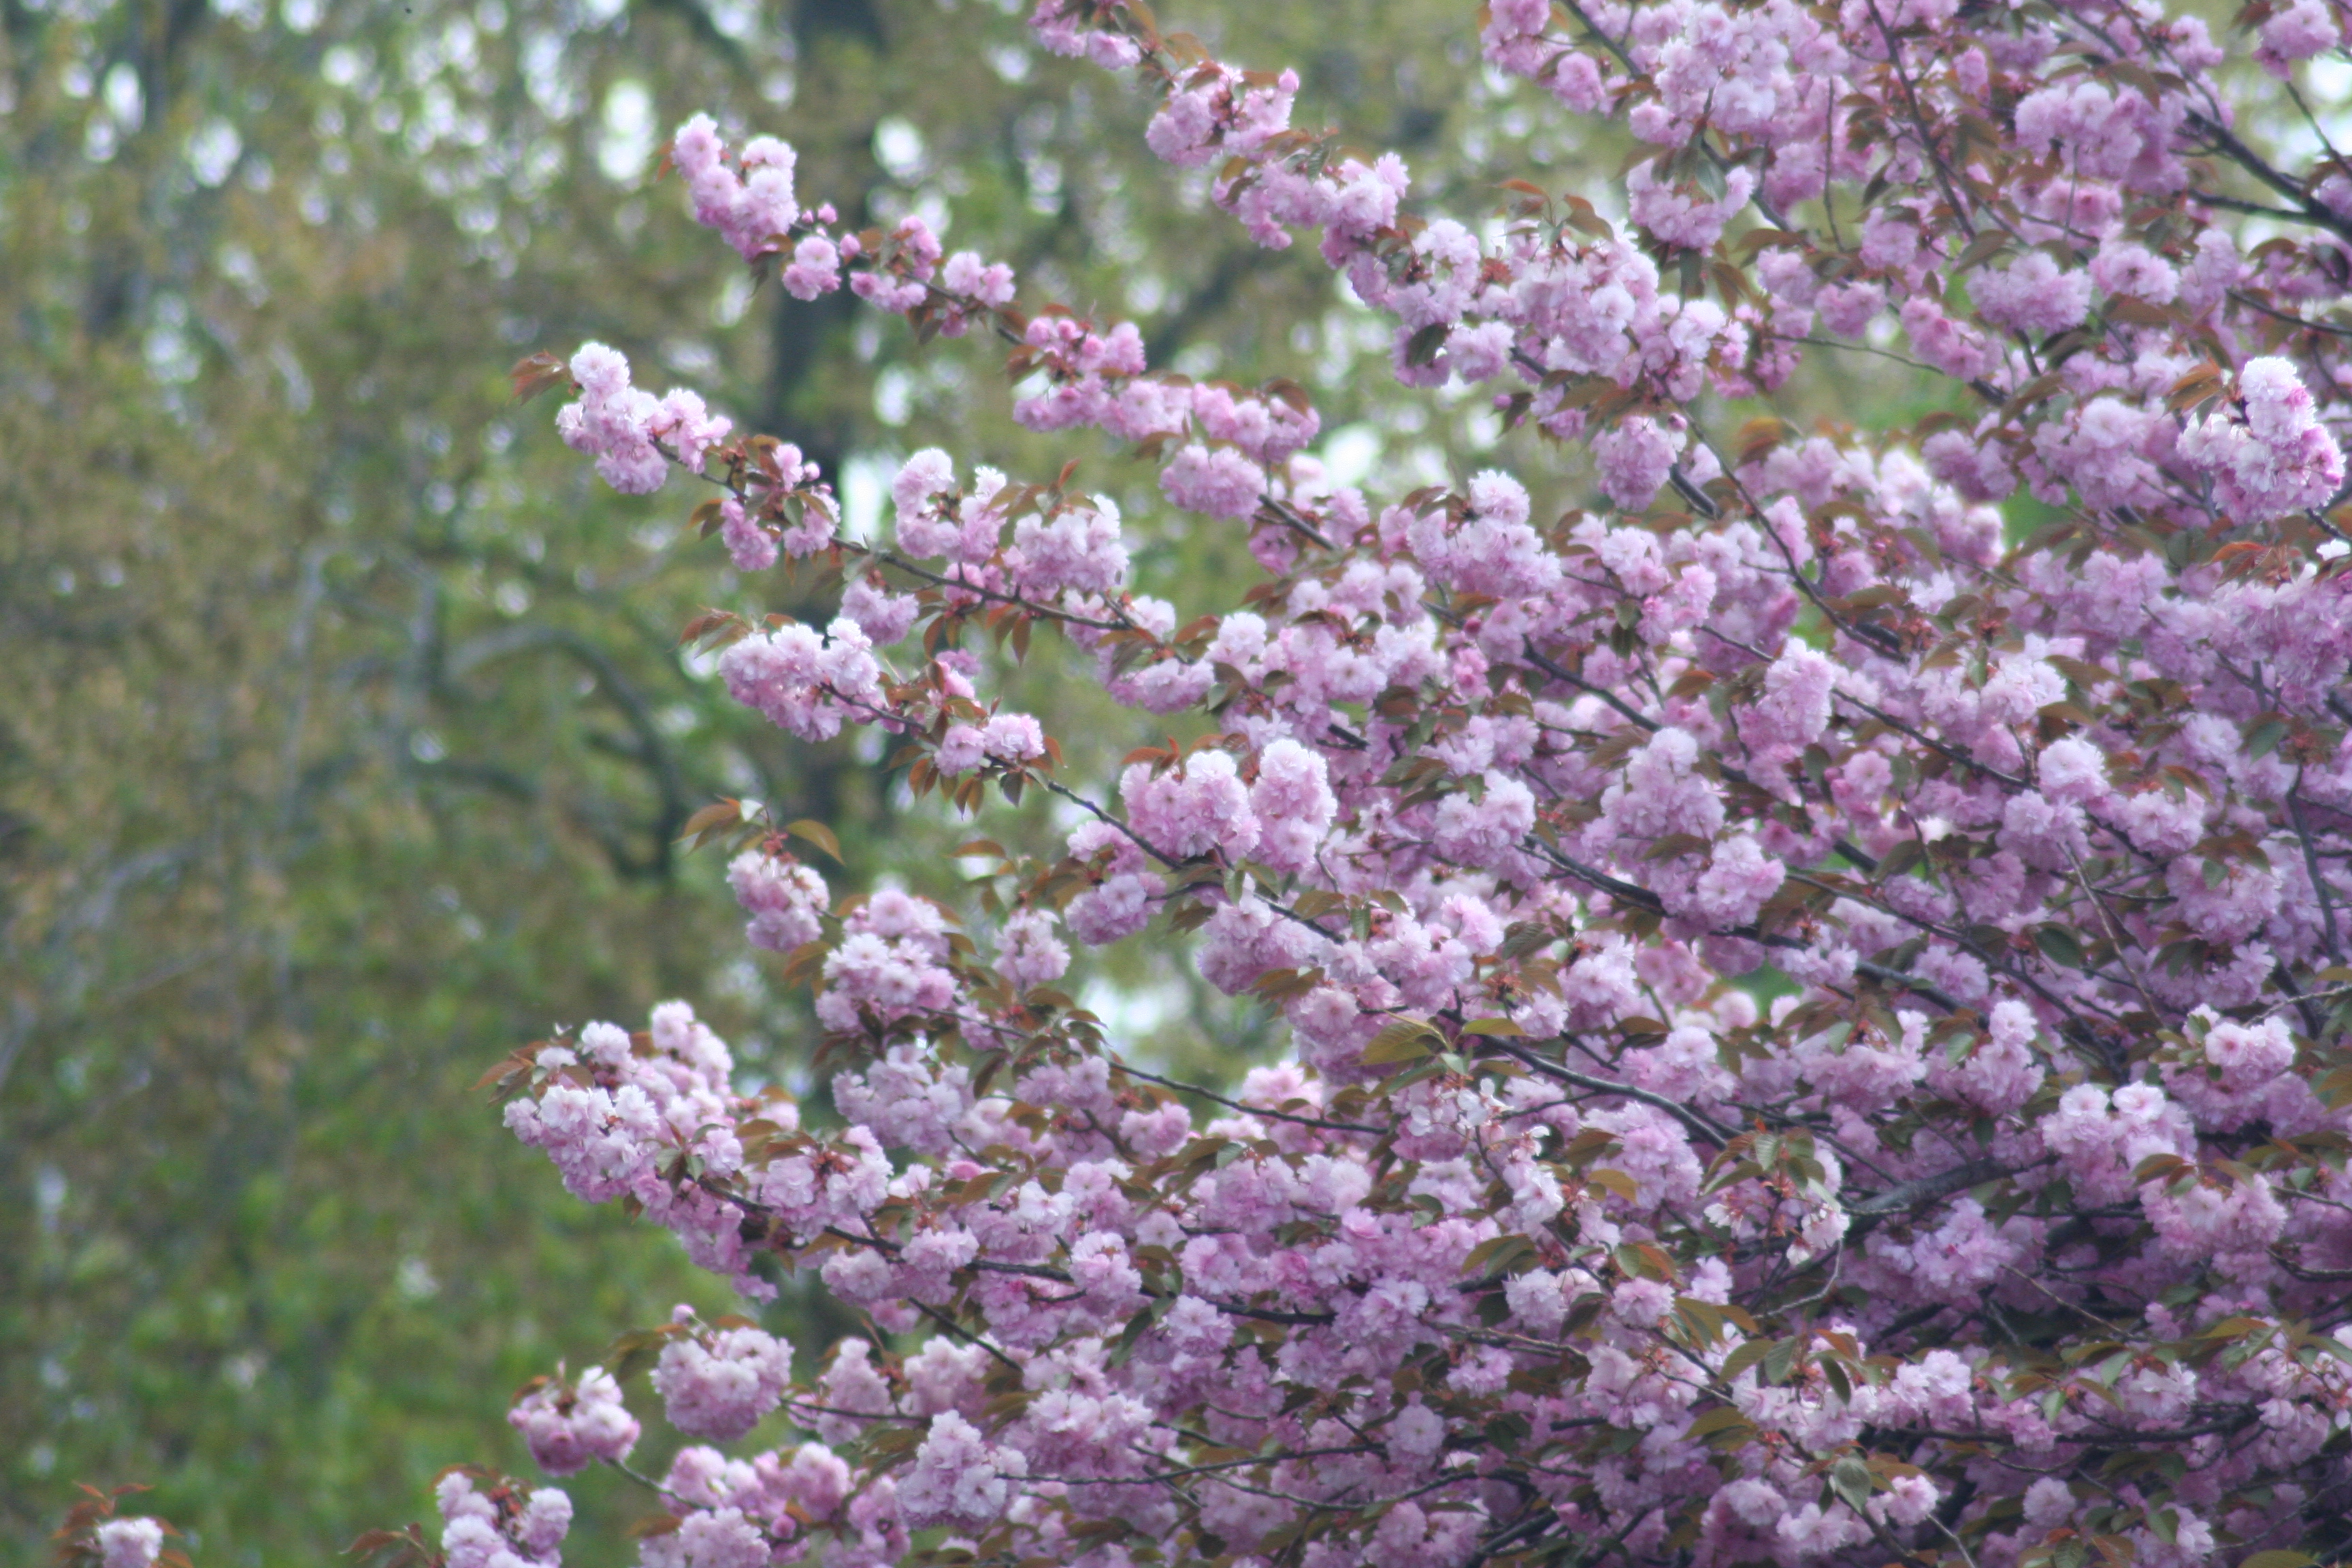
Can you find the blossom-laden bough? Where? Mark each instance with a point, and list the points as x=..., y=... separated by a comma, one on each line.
x=2018, y=1233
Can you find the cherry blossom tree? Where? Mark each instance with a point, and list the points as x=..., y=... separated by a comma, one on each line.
x=1817, y=978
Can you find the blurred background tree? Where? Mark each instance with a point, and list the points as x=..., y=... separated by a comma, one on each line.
x=347, y=740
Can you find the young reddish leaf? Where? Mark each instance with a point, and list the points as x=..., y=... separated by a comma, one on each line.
x=818, y=833
x=720, y=814
x=535, y=374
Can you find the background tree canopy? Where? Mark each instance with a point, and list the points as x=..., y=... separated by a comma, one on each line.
x=348, y=741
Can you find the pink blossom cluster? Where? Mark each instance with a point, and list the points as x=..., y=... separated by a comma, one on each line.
x=1817, y=1014
x=747, y=195
x=783, y=507
x=1027, y=951
x=718, y=1385
x=569, y=1427
x=1098, y=379
x=130, y=1542
x=1215, y=480
x=750, y=204
x=805, y=680
x=779, y=1508
x=633, y=435
x=1005, y=738
x=503, y=1527
x=611, y=1110
x=2295, y=33
x=890, y=963
x=2271, y=455
x=937, y=519
x=786, y=900
x=1080, y=547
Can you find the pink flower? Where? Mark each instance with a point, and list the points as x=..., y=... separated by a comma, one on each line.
x=130, y=1542
x=885, y=618
x=568, y=1427
x=612, y=422
x=1012, y=738
x=2303, y=29
x=546, y=1521
x=720, y=1389
x=1216, y=481
x=1957, y=350
x=1486, y=831
x=987, y=283
x=2126, y=267
x=805, y=681
x=2032, y=295
x=1202, y=808
x=689, y=428
x=2274, y=456
x=750, y=210
x=929, y=473
x=1676, y=215
x=959, y=1478
x=1633, y=458
x=2249, y=1057
x=1999, y=1074
x=814, y=268
x=1294, y=804
x=1081, y=548
x=1795, y=707
x=718, y=1538
x=1027, y=953
x=784, y=899
x=748, y=545
x=962, y=749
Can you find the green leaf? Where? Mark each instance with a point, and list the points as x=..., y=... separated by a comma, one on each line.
x=1722, y=1418
x=2059, y=947
x=1901, y=858
x=1502, y=1027
x=1508, y=1430
x=1406, y=1040
x=1496, y=1255
x=1850, y=1478
x=1674, y=843
x=1981, y=250
x=1525, y=937
x=1724, y=1428
x=1617, y=1182
x=1644, y=1260
x=2233, y=1329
